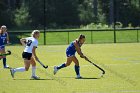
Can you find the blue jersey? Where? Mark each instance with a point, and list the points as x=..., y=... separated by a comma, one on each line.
x=3, y=39
x=71, y=50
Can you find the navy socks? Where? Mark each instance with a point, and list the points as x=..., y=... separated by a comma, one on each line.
x=61, y=66
x=77, y=69
x=4, y=62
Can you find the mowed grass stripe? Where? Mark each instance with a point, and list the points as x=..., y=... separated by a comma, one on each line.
x=121, y=75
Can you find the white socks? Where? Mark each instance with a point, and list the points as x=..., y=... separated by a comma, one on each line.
x=33, y=71
x=20, y=69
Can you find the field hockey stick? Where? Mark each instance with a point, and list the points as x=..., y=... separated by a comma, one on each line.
x=103, y=71
x=6, y=54
x=42, y=64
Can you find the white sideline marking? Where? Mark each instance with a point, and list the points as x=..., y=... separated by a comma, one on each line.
x=116, y=91
x=127, y=59
x=136, y=91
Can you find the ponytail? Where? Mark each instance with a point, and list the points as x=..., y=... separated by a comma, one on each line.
x=81, y=37
x=35, y=32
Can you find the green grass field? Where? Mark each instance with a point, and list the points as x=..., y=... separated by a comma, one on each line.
x=59, y=38
x=120, y=61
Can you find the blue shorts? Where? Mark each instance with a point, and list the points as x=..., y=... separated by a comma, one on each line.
x=2, y=47
x=70, y=53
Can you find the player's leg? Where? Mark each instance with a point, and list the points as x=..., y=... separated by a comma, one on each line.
x=69, y=61
x=27, y=59
x=21, y=69
x=1, y=53
x=77, y=67
x=4, y=57
x=26, y=68
x=34, y=76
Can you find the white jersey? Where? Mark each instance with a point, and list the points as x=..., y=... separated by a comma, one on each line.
x=30, y=43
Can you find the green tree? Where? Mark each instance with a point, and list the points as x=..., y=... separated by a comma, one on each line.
x=6, y=14
x=86, y=12
x=22, y=17
x=36, y=12
x=126, y=11
x=63, y=12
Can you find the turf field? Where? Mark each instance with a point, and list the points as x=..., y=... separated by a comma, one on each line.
x=120, y=61
x=58, y=38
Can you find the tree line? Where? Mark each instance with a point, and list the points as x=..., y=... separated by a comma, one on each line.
x=27, y=14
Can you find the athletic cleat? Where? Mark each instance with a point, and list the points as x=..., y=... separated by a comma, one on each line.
x=35, y=77
x=6, y=66
x=78, y=77
x=55, y=70
x=12, y=72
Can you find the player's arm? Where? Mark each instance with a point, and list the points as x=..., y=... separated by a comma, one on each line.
x=23, y=41
x=7, y=39
x=78, y=49
x=34, y=53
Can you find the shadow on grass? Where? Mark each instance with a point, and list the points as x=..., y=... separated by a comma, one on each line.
x=87, y=78
x=79, y=78
x=33, y=79
x=66, y=77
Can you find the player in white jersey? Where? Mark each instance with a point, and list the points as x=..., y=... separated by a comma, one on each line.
x=29, y=54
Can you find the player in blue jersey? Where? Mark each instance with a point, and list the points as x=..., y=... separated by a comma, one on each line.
x=74, y=47
x=4, y=38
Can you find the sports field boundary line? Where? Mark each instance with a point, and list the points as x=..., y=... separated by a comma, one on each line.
x=116, y=91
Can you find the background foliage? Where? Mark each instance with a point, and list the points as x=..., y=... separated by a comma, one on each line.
x=68, y=13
